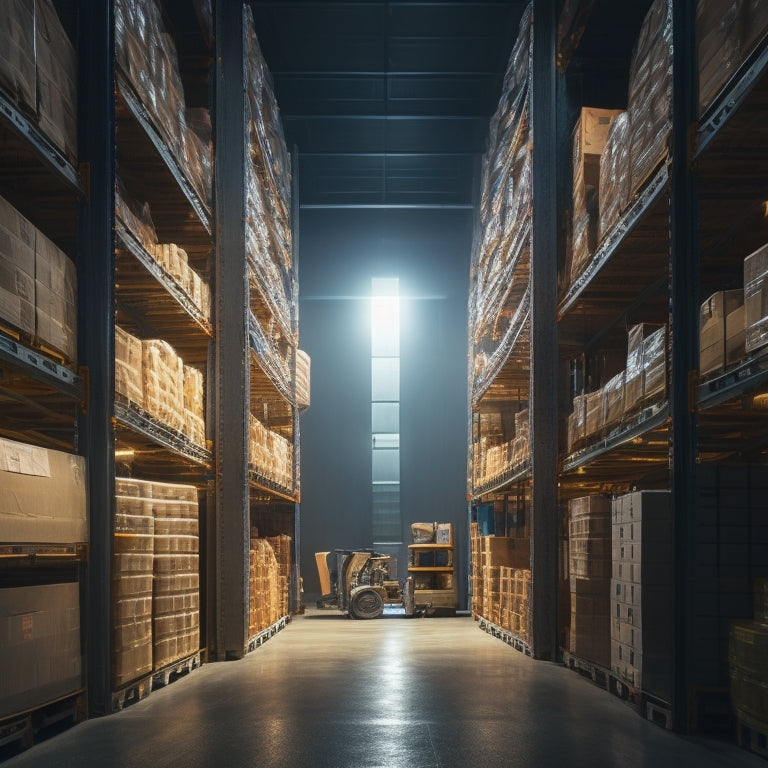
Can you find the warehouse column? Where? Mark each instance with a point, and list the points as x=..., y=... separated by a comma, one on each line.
x=684, y=322
x=231, y=390
x=96, y=324
x=544, y=366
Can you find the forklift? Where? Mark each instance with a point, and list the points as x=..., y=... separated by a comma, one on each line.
x=358, y=583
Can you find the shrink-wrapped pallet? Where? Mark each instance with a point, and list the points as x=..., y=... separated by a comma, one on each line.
x=614, y=174
x=129, y=378
x=176, y=583
x=303, y=369
x=56, y=63
x=163, y=382
x=719, y=45
x=17, y=269
x=654, y=349
x=756, y=299
x=55, y=299
x=613, y=401
x=17, y=53
x=650, y=94
x=594, y=413
x=132, y=576
x=577, y=423
x=137, y=218
x=589, y=138
x=713, y=334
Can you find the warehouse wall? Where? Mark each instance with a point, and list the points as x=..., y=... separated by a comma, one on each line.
x=340, y=252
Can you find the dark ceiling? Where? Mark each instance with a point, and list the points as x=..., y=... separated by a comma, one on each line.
x=387, y=102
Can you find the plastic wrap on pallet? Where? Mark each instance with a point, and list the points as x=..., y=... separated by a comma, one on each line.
x=655, y=366
x=713, y=336
x=270, y=454
x=577, y=422
x=756, y=299
x=198, y=149
x=650, y=94
x=147, y=55
x=17, y=53
x=128, y=367
x=136, y=217
x=56, y=62
x=163, y=383
x=614, y=174
x=55, y=299
x=718, y=37
x=594, y=413
x=17, y=269
x=613, y=405
x=132, y=576
x=499, y=252
x=634, y=383
x=176, y=582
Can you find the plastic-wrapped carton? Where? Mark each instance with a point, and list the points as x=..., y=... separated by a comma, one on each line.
x=128, y=367
x=713, y=333
x=756, y=299
x=614, y=174
x=17, y=51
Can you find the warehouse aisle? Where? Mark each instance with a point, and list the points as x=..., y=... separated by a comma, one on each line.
x=329, y=692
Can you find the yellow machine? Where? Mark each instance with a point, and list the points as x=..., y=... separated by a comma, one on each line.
x=357, y=582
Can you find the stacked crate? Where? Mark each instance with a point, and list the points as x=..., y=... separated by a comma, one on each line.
x=641, y=592
x=152, y=377
x=726, y=32
x=146, y=55
x=175, y=262
x=176, y=583
x=589, y=138
x=270, y=454
x=264, y=581
x=281, y=546
x=514, y=601
x=38, y=69
x=132, y=575
x=476, y=573
x=589, y=557
x=495, y=553
x=38, y=286
x=721, y=331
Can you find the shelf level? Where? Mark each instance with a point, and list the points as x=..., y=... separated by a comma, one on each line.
x=430, y=569
x=513, y=475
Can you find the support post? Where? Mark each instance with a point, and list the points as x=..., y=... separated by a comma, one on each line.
x=232, y=396
x=544, y=357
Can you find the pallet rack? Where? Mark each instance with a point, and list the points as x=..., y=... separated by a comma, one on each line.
x=126, y=155
x=682, y=236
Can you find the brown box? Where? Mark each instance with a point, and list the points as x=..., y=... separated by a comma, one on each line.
x=17, y=46
x=41, y=655
x=735, y=336
x=756, y=299
x=712, y=329
x=42, y=495
x=500, y=550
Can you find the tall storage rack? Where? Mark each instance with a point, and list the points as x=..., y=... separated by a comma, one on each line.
x=149, y=198
x=43, y=550
x=659, y=375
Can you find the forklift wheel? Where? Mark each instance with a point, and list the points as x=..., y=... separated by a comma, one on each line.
x=366, y=604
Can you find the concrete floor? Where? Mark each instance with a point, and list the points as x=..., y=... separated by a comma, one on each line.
x=330, y=692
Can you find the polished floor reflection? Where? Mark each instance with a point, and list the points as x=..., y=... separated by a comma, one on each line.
x=330, y=692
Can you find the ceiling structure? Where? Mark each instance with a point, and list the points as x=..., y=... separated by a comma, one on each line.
x=387, y=102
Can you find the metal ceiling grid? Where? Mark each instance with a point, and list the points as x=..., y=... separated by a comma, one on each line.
x=388, y=103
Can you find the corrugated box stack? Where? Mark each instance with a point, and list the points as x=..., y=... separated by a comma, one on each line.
x=269, y=582
x=42, y=495
x=42, y=501
x=176, y=583
x=589, y=139
x=641, y=383
x=132, y=576
x=270, y=454
x=38, y=286
x=175, y=262
x=56, y=79
x=495, y=553
x=152, y=377
x=650, y=94
x=721, y=332
x=726, y=31
x=493, y=458
x=38, y=70
x=514, y=606
x=476, y=572
x=748, y=663
x=146, y=54
x=590, y=578
x=756, y=299
x=41, y=654
x=641, y=592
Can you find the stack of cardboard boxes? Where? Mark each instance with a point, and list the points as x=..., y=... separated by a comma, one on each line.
x=270, y=454
x=270, y=577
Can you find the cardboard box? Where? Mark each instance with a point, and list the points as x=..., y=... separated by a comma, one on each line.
x=40, y=658
x=756, y=299
x=17, y=46
x=735, y=336
x=42, y=495
x=712, y=329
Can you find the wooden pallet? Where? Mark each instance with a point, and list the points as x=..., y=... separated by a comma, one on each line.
x=132, y=693
x=752, y=735
x=23, y=730
x=175, y=670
